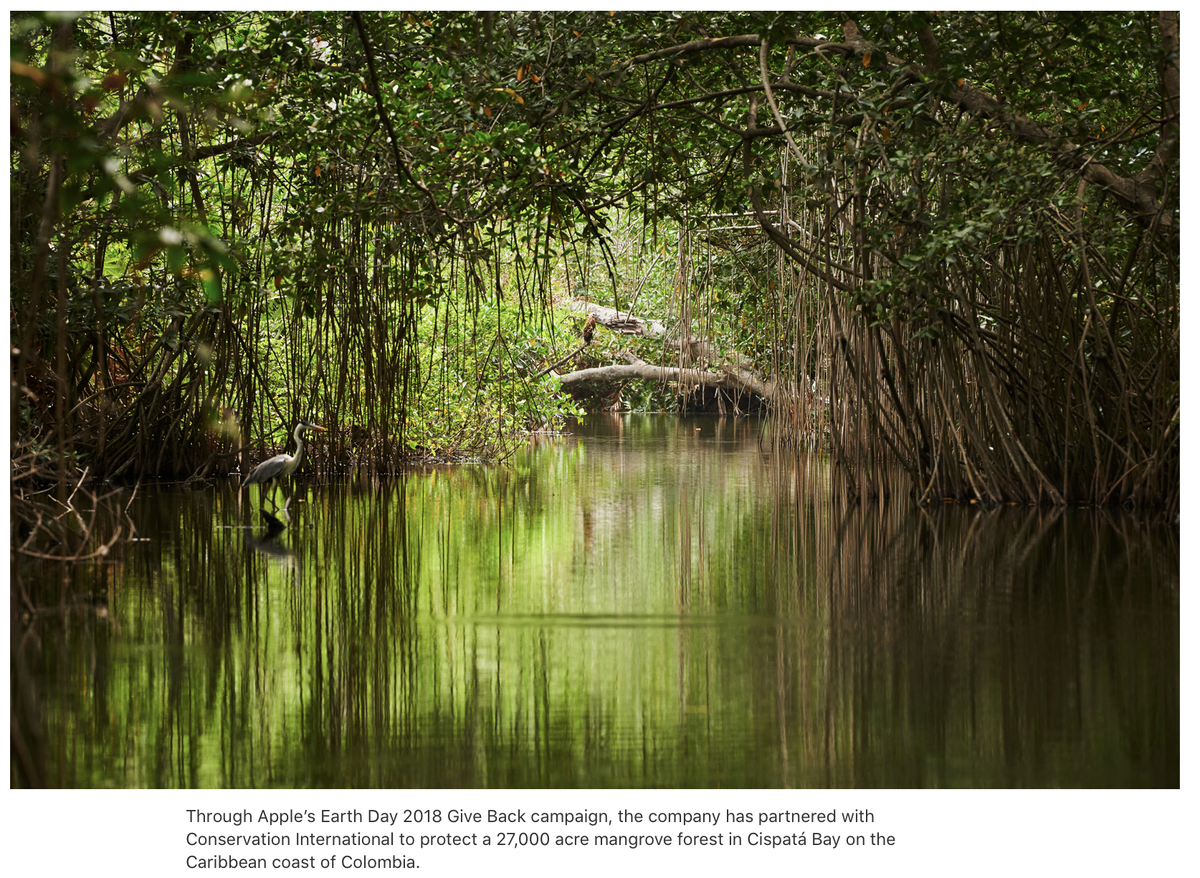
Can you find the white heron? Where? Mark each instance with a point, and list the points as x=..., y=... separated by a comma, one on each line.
x=279, y=467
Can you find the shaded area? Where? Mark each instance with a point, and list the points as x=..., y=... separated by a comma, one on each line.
x=650, y=602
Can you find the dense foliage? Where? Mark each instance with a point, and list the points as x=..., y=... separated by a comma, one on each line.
x=948, y=240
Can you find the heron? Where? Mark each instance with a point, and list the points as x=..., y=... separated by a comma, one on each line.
x=279, y=467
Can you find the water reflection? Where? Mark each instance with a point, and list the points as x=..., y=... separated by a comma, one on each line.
x=651, y=601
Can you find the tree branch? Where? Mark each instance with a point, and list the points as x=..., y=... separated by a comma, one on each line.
x=401, y=165
x=1135, y=194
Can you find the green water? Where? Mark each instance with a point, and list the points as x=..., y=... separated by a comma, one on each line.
x=647, y=602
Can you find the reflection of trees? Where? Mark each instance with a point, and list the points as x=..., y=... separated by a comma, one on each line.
x=463, y=626
x=52, y=537
x=961, y=646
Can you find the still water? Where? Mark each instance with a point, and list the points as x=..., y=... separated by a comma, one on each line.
x=650, y=601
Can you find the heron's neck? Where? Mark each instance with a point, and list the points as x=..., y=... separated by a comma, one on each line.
x=299, y=437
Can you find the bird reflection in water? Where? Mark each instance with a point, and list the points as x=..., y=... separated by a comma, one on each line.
x=277, y=524
x=269, y=543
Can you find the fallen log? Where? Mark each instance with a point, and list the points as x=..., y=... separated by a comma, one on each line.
x=733, y=380
x=621, y=322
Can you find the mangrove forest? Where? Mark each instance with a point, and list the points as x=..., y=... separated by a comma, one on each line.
x=943, y=242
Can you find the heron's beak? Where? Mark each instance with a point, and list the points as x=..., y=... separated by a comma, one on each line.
x=315, y=427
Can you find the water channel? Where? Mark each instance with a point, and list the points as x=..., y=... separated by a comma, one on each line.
x=647, y=601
